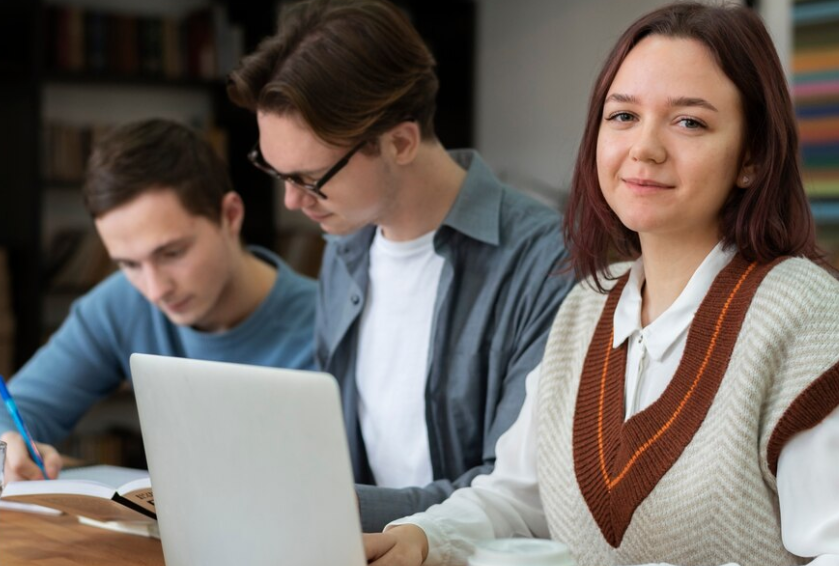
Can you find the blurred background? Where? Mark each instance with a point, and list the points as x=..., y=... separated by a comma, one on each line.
x=515, y=78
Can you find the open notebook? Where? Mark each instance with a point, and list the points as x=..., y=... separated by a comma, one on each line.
x=103, y=493
x=250, y=465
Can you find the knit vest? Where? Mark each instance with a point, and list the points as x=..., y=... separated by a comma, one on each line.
x=690, y=480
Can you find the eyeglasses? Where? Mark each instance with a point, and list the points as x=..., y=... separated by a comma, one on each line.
x=255, y=157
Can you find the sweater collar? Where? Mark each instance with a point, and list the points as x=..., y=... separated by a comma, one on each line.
x=664, y=332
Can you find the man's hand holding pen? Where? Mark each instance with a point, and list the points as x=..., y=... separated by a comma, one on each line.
x=20, y=466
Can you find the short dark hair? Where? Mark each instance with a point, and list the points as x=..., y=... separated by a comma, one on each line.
x=156, y=154
x=769, y=219
x=351, y=69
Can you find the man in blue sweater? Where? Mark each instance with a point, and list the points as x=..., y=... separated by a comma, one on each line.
x=165, y=209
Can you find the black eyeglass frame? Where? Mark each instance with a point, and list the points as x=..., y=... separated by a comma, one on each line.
x=256, y=158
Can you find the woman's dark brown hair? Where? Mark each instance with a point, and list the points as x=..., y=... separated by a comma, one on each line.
x=769, y=219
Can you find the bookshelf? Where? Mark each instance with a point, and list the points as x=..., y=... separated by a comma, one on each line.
x=814, y=73
x=69, y=80
x=815, y=84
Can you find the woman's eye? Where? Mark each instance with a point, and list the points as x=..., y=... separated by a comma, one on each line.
x=621, y=117
x=691, y=123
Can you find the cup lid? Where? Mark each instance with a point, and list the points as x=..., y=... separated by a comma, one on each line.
x=522, y=551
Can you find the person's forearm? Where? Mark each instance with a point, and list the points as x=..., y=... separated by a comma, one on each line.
x=379, y=506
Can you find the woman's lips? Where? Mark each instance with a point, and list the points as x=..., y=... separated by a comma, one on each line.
x=646, y=185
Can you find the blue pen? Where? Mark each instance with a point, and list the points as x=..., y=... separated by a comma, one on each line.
x=21, y=428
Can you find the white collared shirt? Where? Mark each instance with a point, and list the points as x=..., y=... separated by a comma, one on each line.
x=654, y=351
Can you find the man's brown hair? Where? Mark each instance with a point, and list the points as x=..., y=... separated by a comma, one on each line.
x=155, y=154
x=351, y=69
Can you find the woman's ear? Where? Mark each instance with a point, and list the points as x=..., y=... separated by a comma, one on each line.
x=746, y=175
x=402, y=142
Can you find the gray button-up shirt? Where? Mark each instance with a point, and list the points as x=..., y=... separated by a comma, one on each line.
x=499, y=291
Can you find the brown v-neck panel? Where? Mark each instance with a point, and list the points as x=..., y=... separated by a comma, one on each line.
x=618, y=463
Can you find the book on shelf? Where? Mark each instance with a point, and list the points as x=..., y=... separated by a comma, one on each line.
x=201, y=44
x=77, y=260
x=173, y=65
x=99, y=493
x=96, y=41
x=70, y=46
x=65, y=148
x=150, y=32
x=124, y=42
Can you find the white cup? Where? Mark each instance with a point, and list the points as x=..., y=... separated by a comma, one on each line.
x=521, y=552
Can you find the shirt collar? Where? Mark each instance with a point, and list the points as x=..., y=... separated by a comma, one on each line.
x=476, y=211
x=664, y=331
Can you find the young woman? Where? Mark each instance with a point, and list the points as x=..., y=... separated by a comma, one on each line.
x=685, y=411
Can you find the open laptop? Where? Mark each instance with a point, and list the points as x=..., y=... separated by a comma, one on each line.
x=249, y=465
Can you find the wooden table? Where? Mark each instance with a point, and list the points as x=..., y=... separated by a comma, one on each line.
x=40, y=540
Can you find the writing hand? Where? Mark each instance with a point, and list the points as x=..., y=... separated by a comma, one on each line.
x=20, y=467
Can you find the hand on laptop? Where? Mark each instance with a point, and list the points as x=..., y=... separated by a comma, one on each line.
x=19, y=465
x=403, y=545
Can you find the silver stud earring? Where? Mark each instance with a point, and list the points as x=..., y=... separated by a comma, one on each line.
x=746, y=180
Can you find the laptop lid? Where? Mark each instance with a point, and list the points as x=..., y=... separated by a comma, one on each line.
x=249, y=465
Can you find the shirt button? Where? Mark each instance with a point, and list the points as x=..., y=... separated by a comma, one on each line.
x=355, y=299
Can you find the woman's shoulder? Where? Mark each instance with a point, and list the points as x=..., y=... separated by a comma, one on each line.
x=585, y=302
x=797, y=302
x=799, y=278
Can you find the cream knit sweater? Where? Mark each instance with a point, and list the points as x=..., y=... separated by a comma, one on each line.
x=689, y=480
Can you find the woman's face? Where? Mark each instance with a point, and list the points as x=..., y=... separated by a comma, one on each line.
x=670, y=144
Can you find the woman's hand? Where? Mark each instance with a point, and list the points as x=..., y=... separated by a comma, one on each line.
x=403, y=545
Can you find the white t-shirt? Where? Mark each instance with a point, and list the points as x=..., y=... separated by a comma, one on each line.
x=392, y=363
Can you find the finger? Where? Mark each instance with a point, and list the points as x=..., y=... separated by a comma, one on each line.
x=19, y=466
x=388, y=550
x=52, y=460
x=377, y=545
x=19, y=463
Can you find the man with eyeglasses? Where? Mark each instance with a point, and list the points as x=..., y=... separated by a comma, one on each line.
x=164, y=206
x=438, y=283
